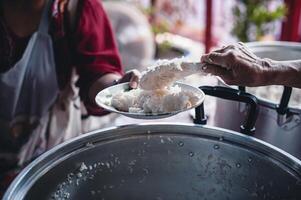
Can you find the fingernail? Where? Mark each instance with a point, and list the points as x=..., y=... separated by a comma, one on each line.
x=210, y=60
x=133, y=84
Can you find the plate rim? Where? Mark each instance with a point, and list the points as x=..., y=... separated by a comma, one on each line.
x=146, y=115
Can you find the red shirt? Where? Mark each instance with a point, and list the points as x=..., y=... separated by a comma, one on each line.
x=91, y=47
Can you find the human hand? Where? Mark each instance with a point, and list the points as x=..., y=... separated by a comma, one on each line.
x=132, y=77
x=237, y=65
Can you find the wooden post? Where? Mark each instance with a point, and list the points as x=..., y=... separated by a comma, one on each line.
x=291, y=25
x=208, y=29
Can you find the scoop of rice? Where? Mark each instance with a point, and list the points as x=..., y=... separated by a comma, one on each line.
x=163, y=73
x=154, y=101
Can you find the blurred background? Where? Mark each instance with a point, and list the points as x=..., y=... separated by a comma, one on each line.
x=147, y=30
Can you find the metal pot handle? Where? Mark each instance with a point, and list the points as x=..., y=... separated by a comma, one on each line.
x=248, y=127
x=282, y=107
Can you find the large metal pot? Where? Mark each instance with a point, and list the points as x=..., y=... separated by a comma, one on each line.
x=161, y=161
x=278, y=122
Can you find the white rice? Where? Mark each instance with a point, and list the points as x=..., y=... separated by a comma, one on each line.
x=154, y=101
x=162, y=74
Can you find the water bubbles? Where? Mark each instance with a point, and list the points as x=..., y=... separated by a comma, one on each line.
x=249, y=159
x=133, y=162
x=142, y=179
x=262, y=187
x=271, y=183
x=216, y=146
x=145, y=170
x=89, y=144
x=148, y=132
x=108, y=165
x=85, y=172
x=83, y=167
x=221, y=138
x=191, y=154
x=70, y=175
x=130, y=169
x=66, y=195
x=79, y=175
x=181, y=143
x=238, y=165
x=117, y=161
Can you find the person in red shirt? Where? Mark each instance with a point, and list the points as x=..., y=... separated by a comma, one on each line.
x=48, y=49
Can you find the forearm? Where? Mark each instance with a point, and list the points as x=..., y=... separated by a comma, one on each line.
x=286, y=73
x=102, y=83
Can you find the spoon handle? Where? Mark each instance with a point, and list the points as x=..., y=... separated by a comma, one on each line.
x=192, y=67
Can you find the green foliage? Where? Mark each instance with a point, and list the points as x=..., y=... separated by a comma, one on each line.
x=161, y=27
x=254, y=13
x=164, y=46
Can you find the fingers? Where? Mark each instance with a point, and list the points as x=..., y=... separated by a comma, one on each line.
x=134, y=78
x=225, y=48
x=242, y=47
x=215, y=58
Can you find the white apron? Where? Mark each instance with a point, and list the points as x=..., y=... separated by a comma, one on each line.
x=33, y=116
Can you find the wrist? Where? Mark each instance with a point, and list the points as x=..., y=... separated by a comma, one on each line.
x=280, y=72
x=269, y=71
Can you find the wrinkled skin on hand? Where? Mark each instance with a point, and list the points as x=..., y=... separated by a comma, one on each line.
x=237, y=65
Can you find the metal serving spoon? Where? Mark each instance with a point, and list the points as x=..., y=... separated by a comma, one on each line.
x=166, y=72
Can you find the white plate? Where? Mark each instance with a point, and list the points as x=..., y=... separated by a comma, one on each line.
x=103, y=99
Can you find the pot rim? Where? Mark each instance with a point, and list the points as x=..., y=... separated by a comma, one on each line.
x=54, y=156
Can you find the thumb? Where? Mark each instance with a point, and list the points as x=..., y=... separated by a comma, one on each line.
x=134, y=82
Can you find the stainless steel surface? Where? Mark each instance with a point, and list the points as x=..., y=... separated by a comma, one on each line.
x=276, y=50
x=161, y=161
x=283, y=131
x=106, y=94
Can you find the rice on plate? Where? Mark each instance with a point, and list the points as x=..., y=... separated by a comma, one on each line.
x=166, y=100
x=155, y=93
